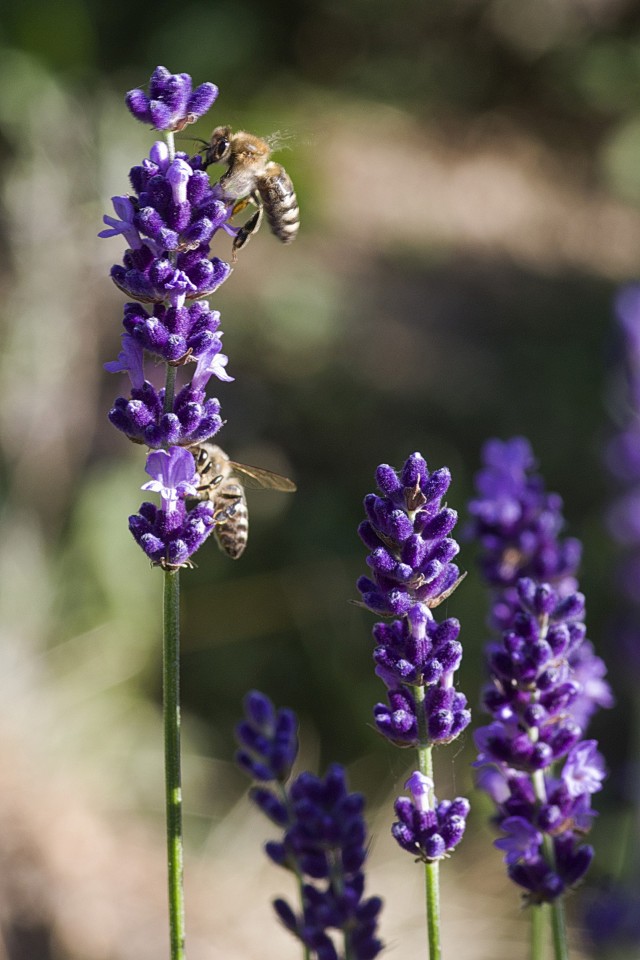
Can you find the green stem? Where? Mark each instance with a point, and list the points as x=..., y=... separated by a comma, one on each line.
x=558, y=926
x=173, y=786
x=432, y=886
x=338, y=885
x=559, y=930
x=538, y=927
x=431, y=870
x=306, y=953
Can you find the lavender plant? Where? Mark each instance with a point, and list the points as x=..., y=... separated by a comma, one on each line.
x=168, y=222
x=622, y=458
x=407, y=531
x=546, y=682
x=323, y=842
x=613, y=911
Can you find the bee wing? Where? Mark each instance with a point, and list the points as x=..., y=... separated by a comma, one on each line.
x=257, y=478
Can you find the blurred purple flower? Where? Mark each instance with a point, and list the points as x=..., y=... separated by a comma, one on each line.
x=546, y=680
x=324, y=836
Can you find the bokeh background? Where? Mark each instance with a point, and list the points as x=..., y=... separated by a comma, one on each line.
x=469, y=176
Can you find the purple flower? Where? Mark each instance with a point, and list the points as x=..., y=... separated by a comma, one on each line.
x=151, y=280
x=545, y=678
x=125, y=226
x=171, y=103
x=443, y=712
x=407, y=532
x=169, y=538
x=174, y=476
x=425, y=828
x=268, y=739
x=211, y=363
x=622, y=457
x=417, y=649
x=544, y=884
x=141, y=417
x=168, y=224
x=584, y=769
x=531, y=701
x=612, y=920
x=171, y=535
x=518, y=526
x=130, y=360
x=174, y=333
x=522, y=842
x=323, y=840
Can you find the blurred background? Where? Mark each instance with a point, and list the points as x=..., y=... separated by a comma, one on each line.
x=469, y=179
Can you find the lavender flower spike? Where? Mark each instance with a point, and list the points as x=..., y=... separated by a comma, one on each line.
x=544, y=814
x=519, y=527
x=268, y=739
x=407, y=532
x=323, y=841
x=545, y=681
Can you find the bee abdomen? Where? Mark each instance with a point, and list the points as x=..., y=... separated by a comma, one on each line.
x=233, y=534
x=280, y=203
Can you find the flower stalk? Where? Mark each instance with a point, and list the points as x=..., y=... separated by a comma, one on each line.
x=546, y=682
x=431, y=868
x=173, y=778
x=407, y=531
x=538, y=931
x=168, y=222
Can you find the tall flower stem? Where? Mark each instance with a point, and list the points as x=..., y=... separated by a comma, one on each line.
x=559, y=930
x=306, y=953
x=173, y=784
x=432, y=882
x=432, y=869
x=538, y=927
x=556, y=908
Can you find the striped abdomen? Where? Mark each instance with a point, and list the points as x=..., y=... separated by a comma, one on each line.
x=280, y=202
x=233, y=534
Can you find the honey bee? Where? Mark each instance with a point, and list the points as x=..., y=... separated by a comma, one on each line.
x=251, y=177
x=221, y=484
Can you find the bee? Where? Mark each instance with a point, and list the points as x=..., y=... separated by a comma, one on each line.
x=251, y=177
x=221, y=484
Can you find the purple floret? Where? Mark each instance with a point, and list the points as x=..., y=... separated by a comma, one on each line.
x=171, y=102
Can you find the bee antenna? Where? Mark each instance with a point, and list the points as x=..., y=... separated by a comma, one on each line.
x=204, y=143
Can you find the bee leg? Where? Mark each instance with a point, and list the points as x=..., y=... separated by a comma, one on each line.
x=240, y=205
x=223, y=514
x=247, y=230
x=204, y=489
